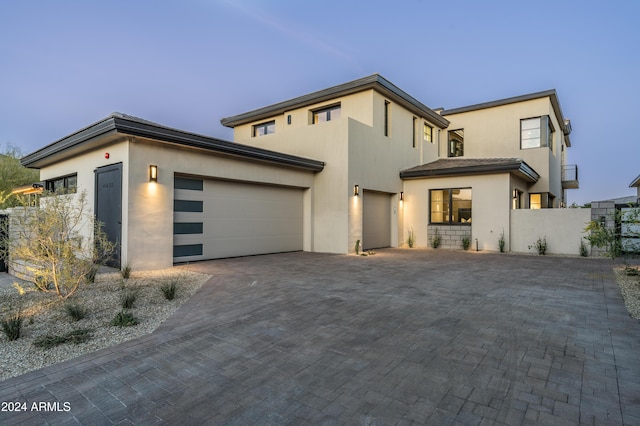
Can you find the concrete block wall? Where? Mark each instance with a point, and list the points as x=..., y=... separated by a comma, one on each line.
x=451, y=236
x=603, y=211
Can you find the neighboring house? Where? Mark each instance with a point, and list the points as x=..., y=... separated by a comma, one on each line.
x=636, y=183
x=362, y=161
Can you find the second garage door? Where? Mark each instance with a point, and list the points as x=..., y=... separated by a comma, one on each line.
x=216, y=219
x=376, y=220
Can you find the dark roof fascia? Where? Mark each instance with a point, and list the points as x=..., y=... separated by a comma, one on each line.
x=635, y=182
x=142, y=128
x=551, y=94
x=375, y=81
x=95, y=130
x=519, y=167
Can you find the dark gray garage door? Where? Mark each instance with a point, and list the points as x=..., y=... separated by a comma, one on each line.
x=376, y=220
x=216, y=219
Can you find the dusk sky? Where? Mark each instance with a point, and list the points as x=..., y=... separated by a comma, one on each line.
x=187, y=64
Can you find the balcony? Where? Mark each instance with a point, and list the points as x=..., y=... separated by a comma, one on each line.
x=570, y=176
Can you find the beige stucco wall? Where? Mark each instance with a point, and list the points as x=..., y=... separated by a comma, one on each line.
x=150, y=207
x=495, y=133
x=356, y=152
x=562, y=228
x=490, y=207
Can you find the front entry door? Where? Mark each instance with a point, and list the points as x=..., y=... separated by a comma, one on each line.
x=108, y=206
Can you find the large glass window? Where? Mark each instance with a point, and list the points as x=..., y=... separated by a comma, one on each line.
x=264, y=128
x=450, y=206
x=456, y=143
x=326, y=114
x=536, y=133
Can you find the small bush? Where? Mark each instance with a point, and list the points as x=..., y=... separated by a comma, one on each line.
x=435, y=243
x=75, y=336
x=411, y=240
x=541, y=245
x=584, y=250
x=91, y=275
x=128, y=299
x=125, y=271
x=124, y=319
x=75, y=310
x=12, y=326
x=466, y=242
x=357, y=246
x=169, y=290
x=631, y=272
x=501, y=242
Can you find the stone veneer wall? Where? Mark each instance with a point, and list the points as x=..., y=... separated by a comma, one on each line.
x=450, y=235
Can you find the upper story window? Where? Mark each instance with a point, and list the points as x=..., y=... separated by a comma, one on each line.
x=427, y=133
x=536, y=132
x=326, y=114
x=456, y=143
x=450, y=206
x=264, y=128
x=387, y=123
x=62, y=184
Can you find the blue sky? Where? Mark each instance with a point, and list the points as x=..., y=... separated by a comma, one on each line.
x=187, y=64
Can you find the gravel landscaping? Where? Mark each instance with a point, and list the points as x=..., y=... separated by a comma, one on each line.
x=628, y=278
x=46, y=315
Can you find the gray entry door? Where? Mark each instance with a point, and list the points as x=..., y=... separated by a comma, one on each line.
x=376, y=220
x=108, y=206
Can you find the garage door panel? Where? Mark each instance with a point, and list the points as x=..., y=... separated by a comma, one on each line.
x=241, y=219
x=376, y=220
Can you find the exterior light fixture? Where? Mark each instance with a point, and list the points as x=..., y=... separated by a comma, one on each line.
x=401, y=196
x=356, y=190
x=153, y=173
x=515, y=193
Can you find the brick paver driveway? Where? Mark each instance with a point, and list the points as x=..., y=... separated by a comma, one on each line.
x=402, y=337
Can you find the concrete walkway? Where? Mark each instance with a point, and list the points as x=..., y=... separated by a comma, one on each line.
x=403, y=337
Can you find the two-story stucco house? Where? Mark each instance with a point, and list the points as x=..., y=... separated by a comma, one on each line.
x=362, y=161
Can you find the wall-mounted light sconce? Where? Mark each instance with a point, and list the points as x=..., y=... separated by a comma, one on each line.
x=356, y=190
x=153, y=173
x=515, y=193
x=401, y=196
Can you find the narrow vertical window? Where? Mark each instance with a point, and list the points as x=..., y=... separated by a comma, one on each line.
x=456, y=143
x=413, y=133
x=427, y=133
x=386, y=118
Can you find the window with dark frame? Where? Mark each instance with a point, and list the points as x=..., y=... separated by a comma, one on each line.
x=386, y=117
x=536, y=132
x=456, y=143
x=266, y=128
x=322, y=115
x=428, y=133
x=67, y=183
x=450, y=206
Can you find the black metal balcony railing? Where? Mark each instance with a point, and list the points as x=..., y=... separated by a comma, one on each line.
x=570, y=176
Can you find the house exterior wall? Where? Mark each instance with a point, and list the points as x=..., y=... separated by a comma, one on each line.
x=563, y=230
x=490, y=208
x=495, y=132
x=356, y=152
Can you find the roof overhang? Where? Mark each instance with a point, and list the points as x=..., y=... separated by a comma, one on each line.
x=375, y=82
x=448, y=167
x=118, y=126
x=635, y=182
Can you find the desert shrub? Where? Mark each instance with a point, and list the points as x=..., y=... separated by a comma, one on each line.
x=75, y=311
x=124, y=318
x=435, y=242
x=126, y=271
x=12, y=325
x=466, y=242
x=411, y=239
x=540, y=245
x=169, y=290
x=74, y=336
x=128, y=299
x=501, y=242
x=584, y=250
